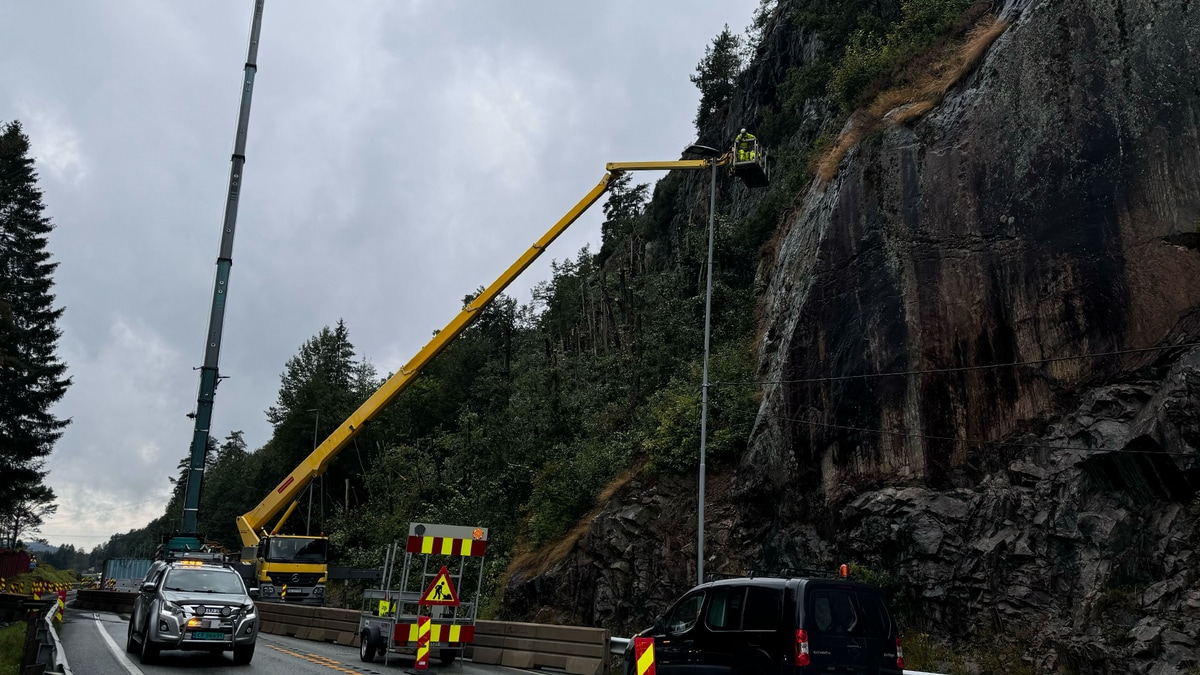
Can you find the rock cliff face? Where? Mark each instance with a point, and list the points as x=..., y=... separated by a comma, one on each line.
x=1046, y=213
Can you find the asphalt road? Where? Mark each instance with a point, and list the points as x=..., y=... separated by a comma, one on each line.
x=95, y=645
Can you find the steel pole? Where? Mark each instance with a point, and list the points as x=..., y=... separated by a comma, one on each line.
x=712, y=211
x=308, y=523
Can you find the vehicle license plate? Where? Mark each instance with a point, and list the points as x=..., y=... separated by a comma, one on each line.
x=207, y=635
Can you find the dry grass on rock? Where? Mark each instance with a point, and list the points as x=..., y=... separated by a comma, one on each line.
x=925, y=84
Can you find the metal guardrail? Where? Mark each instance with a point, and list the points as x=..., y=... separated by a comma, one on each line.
x=56, y=659
x=41, y=644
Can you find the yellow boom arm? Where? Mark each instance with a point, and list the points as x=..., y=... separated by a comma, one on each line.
x=250, y=524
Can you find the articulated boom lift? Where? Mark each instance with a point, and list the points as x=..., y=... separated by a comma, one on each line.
x=300, y=562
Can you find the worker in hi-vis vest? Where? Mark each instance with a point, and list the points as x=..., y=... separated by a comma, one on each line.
x=744, y=143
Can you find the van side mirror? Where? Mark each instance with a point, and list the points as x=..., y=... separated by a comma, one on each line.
x=253, y=592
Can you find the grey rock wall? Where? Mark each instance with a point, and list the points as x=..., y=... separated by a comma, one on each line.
x=1048, y=209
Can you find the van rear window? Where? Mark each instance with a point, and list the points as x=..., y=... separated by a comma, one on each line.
x=876, y=618
x=764, y=608
x=837, y=611
x=833, y=613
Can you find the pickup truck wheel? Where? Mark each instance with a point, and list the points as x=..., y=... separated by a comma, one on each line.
x=242, y=654
x=130, y=644
x=366, y=647
x=149, y=649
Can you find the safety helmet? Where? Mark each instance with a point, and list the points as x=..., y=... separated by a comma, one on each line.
x=743, y=130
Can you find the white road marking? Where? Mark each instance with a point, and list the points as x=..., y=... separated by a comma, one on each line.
x=117, y=651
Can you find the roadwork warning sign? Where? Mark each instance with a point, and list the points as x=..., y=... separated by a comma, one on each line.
x=441, y=591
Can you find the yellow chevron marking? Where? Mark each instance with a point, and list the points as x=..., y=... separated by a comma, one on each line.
x=426, y=544
x=645, y=660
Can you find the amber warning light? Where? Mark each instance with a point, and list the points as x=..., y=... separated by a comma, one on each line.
x=844, y=571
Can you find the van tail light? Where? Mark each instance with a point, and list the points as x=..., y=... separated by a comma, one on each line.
x=899, y=654
x=802, y=657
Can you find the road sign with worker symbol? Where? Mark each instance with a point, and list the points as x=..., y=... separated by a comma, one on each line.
x=441, y=591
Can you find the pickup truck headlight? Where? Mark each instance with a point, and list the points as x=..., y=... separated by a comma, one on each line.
x=172, y=609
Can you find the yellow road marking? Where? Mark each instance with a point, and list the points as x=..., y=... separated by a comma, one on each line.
x=317, y=659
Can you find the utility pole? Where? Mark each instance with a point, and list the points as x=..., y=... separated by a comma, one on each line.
x=712, y=210
x=308, y=523
x=713, y=156
x=209, y=374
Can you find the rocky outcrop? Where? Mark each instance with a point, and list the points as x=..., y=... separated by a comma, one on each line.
x=638, y=554
x=1045, y=214
x=1037, y=214
x=1083, y=550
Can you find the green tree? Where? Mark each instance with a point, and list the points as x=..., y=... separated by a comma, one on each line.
x=715, y=78
x=32, y=378
x=25, y=517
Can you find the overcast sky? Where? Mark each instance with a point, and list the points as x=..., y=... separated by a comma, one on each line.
x=401, y=154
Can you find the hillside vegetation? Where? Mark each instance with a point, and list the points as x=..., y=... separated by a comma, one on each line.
x=539, y=407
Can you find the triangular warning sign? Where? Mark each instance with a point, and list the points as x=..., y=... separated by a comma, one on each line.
x=441, y=591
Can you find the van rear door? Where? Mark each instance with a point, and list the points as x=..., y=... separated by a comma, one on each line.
x=879, y=631
x=836, y=632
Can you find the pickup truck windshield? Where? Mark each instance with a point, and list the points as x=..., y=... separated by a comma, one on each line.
x=296, y=549
x=190, y=580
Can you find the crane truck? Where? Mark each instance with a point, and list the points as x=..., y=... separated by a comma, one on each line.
x=187, y=538
x=295, y=568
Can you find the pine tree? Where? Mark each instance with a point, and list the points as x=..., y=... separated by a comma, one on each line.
x=715, y=75
x=32, y=378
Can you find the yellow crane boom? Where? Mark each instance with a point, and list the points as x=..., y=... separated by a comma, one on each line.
x=251, y=524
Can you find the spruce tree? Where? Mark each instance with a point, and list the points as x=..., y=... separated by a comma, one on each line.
x=715, y=78
x=32, y=378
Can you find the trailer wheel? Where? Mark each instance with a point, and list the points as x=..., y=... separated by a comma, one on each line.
x=367, y=646
x=448, y=656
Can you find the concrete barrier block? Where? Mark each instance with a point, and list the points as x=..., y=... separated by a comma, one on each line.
x=496, y=641
x=303, y=632
x=489, y=655
x=515, y=629
x=514, y=659
x=582, y=666
x=337, y=624
x=489, y=628
x=595, y=650
x=344, y=638
x=550, y=661
x=571, y=634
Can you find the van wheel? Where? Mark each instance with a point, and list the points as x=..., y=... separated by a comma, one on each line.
x=366, y=647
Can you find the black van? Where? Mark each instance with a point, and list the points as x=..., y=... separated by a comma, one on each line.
x=771, y=626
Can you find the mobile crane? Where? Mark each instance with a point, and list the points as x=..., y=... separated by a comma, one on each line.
x=295, y=567
x=188, y=537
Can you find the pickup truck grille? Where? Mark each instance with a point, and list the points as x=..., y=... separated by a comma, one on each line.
x=297, y=579
x=215, y=617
